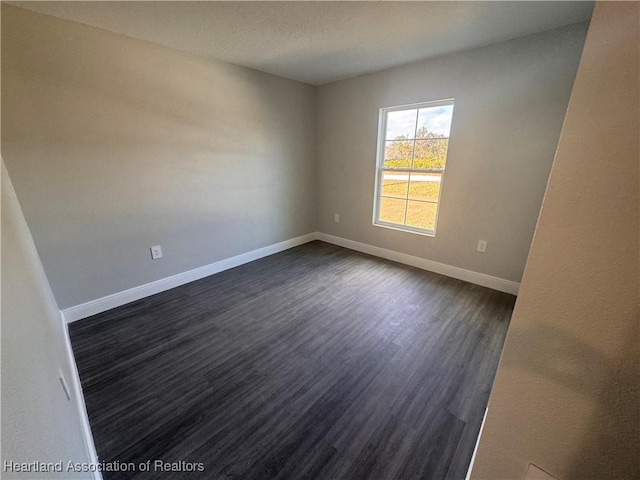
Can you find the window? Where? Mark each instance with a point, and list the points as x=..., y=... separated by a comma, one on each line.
x=412, y=152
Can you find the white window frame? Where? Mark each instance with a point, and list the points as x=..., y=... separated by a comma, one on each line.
x=380, y=169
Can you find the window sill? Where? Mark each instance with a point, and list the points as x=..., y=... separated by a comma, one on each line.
x=402, y=228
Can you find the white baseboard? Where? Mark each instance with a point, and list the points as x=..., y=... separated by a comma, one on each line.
x=76, y=388
x=495, y=283
x=103, y=304
x=108, y=302
x=475, y=449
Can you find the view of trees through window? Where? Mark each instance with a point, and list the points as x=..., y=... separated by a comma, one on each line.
x=411, y=164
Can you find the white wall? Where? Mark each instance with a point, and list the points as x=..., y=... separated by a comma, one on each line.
x=38, y=422
x=116, y=144
x=566, y=395
x=510, y=100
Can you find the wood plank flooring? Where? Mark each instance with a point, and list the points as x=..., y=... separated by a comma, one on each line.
x=315, y=363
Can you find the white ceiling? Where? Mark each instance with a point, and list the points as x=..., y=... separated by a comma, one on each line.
x=320, y=42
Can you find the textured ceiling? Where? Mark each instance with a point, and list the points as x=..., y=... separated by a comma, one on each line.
x=320, y=42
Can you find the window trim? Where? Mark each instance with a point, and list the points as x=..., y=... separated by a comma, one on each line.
x=377, y=194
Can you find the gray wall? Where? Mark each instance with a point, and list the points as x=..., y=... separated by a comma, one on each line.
x=116, y=144
x=566, y=395
x=510, y=101
x=38, y=422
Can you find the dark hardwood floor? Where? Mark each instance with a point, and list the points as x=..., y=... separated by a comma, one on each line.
x=315, y=363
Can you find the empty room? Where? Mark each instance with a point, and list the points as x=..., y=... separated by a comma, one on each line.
x=320, y=240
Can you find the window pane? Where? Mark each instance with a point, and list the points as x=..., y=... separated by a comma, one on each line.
x=430, y=153
x=392, y=210
x=434, y=121
x=411, y=164
x=395, y=184
x=425, y=186
x=398, y=154
x=401, y=124
x=422, y=215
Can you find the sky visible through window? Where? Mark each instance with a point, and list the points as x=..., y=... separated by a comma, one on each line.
x=403, y=122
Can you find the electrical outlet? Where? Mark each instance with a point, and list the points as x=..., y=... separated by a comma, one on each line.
x=156, y=252
x=336, y=218
x=482, y=246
